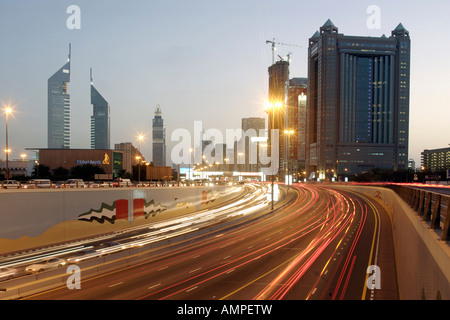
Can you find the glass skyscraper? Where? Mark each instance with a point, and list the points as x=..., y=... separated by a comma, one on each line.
x=358, y=102
x=100, y=120
x=58, y=123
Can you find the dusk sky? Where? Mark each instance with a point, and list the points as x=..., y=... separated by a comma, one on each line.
x=202, y=60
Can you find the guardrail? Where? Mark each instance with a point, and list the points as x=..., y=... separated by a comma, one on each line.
x=433, y=207
x=88, y=184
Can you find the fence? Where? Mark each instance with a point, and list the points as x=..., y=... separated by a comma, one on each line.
x=434, y=208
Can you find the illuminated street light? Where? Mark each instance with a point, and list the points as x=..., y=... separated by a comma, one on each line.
x=140, y=138
x=272, y=106
x=8, y=111
x=191, y=150
x=288, y=133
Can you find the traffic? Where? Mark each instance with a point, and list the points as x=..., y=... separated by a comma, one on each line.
x=58, y=256
x=79, y=183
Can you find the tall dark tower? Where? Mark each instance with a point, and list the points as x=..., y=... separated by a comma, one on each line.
x=159, y=139
x=357, y=115
x=100, y=120
x=278, y=80
x=58, y=108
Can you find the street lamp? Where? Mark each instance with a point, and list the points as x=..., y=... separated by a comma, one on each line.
x=288, y=133
x=191, y=150
x=140, y=138
x=8, y=110
x=271, y=106
x=240, y=154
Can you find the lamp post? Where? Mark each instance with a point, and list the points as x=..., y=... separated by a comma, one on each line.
x=140, y=138
x=191, y=150
x=272, y=106
x=8, y=110
x=288, y=133
x=240, y=154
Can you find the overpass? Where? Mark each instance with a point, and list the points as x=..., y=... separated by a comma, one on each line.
x=420, y=220
x=35, y=219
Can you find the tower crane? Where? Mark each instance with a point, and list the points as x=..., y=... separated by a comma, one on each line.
x=282, y=44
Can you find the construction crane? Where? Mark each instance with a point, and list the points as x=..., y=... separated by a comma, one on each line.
x=282, y=44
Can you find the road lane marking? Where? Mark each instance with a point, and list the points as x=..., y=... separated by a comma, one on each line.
x=375, y=232
x=154, y=286
x=193, y=288
x=116, y=284
x=194, y=270
x=256, y=279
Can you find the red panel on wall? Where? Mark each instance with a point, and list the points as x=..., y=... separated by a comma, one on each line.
x=204, y=197
x=138, y=208
x=122, y=209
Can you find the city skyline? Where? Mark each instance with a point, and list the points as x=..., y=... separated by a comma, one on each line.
x=195, y=60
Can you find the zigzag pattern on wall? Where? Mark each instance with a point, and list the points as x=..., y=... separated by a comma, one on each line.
x=119, y=211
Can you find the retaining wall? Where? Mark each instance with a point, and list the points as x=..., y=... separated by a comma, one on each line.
x=36, y=218
x=422, y=258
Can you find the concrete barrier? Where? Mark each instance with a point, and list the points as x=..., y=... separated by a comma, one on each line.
x=37, y=218
x=422, y=258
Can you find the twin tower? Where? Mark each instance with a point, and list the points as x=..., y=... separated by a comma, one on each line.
x=58, y=132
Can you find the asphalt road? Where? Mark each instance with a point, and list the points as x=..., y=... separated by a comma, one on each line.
x=316, y=246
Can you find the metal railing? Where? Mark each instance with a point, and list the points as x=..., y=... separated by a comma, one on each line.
x=433, y=207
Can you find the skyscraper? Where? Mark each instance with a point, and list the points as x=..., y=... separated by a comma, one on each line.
x=278, y=79
x=254, y=135
x=159, y=139
x=295, y=120
x=100, y=120
x=358, y=102
x=58, y=112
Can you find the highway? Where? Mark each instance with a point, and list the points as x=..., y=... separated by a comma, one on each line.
x=316, y=245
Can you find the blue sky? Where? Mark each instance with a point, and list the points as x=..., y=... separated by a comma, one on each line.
x=199, y=60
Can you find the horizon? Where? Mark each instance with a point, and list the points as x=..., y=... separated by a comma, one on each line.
x=200, y=61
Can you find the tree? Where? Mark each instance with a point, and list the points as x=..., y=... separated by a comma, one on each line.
x=60, y=174
x=41, y=171
x=86, y=172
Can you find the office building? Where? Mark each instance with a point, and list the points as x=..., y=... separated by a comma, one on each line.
x=159, y=139
x=294, y=123
x=254, y=138
x=357, y=114
x=111, y=161
x=100, y=120
x=130, y=155
x=278, y=79
x=58, y=112
x=436, y=159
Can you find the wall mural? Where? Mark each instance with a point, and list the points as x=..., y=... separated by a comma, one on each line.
x=119, y=211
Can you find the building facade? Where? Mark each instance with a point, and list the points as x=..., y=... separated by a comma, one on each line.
x=130, y=154
x=58, y=112
x=159, y=139
x=109, y=160
x=295, y=121
x=436, y=159
x=278, y=79
x=357, y=116
x=100, y=120
x=254, y=138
